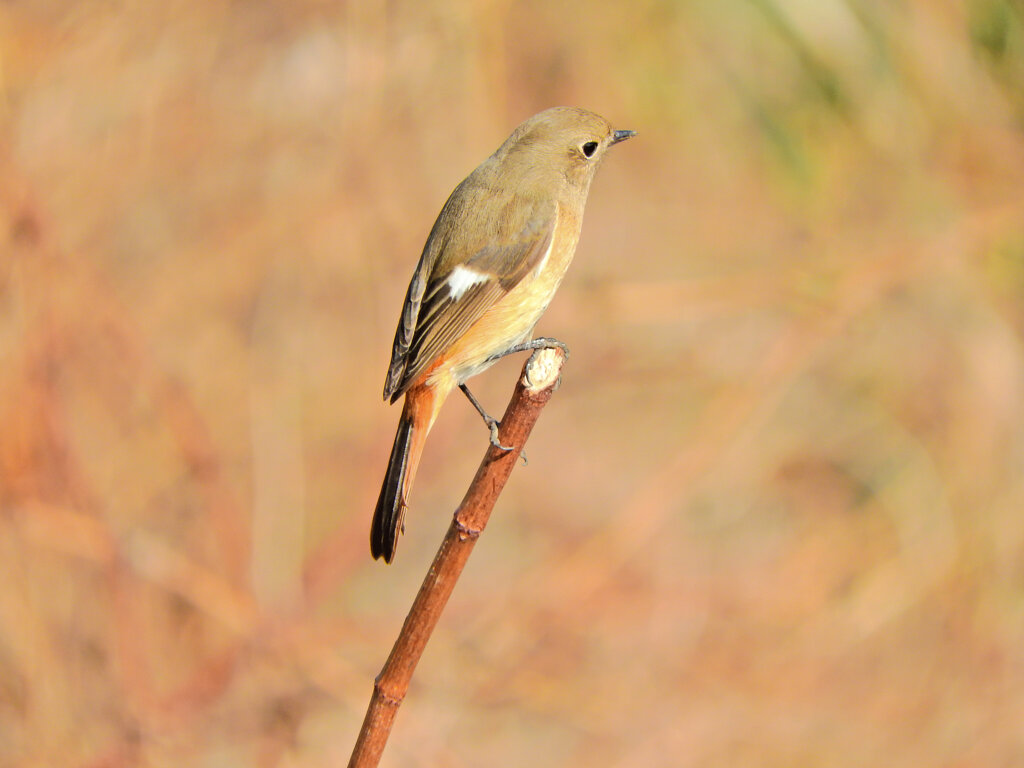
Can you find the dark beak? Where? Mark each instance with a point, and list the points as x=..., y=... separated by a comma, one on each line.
x=622, y=136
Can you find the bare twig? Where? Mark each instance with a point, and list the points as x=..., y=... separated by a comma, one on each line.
x=534, y=389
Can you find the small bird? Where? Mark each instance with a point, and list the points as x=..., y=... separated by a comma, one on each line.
x=491, y=264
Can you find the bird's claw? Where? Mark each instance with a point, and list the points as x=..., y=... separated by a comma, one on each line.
x=492, y=425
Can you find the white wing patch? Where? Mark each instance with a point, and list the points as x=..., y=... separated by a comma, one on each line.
x=462, y=279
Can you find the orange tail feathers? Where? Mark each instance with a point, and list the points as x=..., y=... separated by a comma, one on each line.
x=421, y=405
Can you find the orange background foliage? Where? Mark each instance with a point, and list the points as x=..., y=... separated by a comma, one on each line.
x=774, y=515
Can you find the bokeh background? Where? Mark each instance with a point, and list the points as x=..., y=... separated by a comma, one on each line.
x=774, y=515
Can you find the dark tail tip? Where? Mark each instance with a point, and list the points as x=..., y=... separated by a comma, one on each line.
x=385, y=528
x=390, y=511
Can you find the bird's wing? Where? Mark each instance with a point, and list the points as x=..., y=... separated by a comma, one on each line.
x=461, y=275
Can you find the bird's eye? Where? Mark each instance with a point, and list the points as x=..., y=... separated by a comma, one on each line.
x=589, y=148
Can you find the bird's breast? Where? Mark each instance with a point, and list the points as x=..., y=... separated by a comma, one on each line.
x=511, y=319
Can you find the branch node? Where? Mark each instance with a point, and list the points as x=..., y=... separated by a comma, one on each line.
x=385, y=698
x=465, y=531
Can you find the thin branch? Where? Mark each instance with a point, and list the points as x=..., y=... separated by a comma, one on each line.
x=534, y=389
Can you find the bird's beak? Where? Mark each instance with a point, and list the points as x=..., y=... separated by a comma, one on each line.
x=622, y=136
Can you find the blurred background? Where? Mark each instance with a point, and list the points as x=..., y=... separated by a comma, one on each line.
x=773, y=517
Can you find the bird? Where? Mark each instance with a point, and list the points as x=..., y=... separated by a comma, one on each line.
x=491, y=264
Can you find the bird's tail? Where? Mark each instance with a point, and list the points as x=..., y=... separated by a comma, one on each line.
x=417, y=417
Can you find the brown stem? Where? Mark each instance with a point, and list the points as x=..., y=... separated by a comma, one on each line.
x=534, y=389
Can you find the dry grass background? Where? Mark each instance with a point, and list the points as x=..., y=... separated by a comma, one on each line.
x=774, y=515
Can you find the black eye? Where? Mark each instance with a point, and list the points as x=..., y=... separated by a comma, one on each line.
x=590, y=148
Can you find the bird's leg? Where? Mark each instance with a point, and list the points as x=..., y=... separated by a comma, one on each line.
x=544, y=342
x=491, y=422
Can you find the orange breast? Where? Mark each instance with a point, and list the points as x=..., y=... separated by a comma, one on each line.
x=511, y=320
